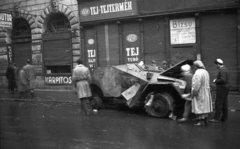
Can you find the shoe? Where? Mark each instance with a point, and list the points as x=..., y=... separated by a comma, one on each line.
x=214, y=121
x=200, y=123
x=182, y=120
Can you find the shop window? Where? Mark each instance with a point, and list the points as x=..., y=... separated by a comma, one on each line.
x=58, y=69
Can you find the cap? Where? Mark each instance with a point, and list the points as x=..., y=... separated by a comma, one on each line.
x=218, y=61
x=164, y=62
x=186, y=67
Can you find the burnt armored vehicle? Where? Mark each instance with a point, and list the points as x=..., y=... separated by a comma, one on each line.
x=158, y=91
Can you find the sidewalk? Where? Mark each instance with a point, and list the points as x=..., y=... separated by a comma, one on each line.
x=69, y=96
x=44, y=95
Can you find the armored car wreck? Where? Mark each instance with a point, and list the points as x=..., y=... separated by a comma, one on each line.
x=155, y=90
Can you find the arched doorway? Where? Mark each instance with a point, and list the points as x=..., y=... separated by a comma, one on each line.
x=57, y=49
x=21, y=41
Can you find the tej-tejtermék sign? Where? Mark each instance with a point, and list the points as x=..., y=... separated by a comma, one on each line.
x=5, y=20
x=108, y=9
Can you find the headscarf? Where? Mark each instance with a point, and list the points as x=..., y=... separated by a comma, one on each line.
x=199, y=64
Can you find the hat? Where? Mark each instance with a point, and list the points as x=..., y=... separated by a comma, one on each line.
x=199, y=64
x=164, y=62
x=218, y=61
x=186, y=68
x=154, y=62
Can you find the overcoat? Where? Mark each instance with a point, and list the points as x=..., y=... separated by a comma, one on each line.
x=81, y=77
x=30, y=74
x=201, y=96
x=23, y=84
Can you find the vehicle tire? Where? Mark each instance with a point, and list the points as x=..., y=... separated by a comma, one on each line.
x=161, y=105
x=96, y=102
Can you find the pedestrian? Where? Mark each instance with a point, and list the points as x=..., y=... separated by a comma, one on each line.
x=154, y=65
x=164, y=65
x=16, y=70
x=187, y=76
x=10, y=75
x=201, y=96
x=31, y=76
x=222, y=83
x=80, y=78
x=23, y=83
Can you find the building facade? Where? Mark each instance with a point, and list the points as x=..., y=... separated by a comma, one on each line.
x=54, y=33
x=117, y=32
x=44, y=31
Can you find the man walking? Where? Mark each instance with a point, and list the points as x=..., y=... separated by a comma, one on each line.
x=81, y=77
x=222, y=83
x=31, y=76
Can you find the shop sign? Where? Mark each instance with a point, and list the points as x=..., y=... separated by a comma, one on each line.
x=183, y=31
x=132, y=54
x=58, y=80
x=98, y=10
x=91, y=57
x=5, y=20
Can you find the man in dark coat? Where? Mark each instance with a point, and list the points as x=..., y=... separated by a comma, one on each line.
x=222, y=83
x=10, y=75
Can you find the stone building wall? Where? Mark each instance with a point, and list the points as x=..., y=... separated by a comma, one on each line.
x=36, y=13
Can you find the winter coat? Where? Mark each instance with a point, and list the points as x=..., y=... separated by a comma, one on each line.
x=23, y=84
x=201, y=96
x=81, y=77
x=30, y=75
x=10, y=75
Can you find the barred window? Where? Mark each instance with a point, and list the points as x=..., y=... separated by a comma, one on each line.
x=58, y=23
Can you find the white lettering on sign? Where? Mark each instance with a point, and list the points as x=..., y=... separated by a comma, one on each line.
x=134, y=51
x=183, y=31
x=58, y=80
x=5, y=17
x=132, y=59
x=132, y=54
x=91, y=53
x=109, y=8
x=5, y=20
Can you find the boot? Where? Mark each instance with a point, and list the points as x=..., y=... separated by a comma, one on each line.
x=205, y=121
x=200, y=123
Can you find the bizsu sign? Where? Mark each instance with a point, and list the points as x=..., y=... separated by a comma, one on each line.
x=58, y=80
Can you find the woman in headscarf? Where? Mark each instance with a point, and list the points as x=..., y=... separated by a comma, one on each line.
x=201, y=96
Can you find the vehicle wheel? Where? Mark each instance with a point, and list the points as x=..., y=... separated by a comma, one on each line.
x=96, y=102
x=161, y=105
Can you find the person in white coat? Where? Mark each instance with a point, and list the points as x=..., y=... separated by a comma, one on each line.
x=201, y=96
x=81, y=77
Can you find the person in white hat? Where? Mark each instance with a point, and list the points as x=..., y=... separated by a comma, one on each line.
x=222, y=83
x=186, y=76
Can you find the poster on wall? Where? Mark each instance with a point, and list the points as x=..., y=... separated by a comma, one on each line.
x=183, y=31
